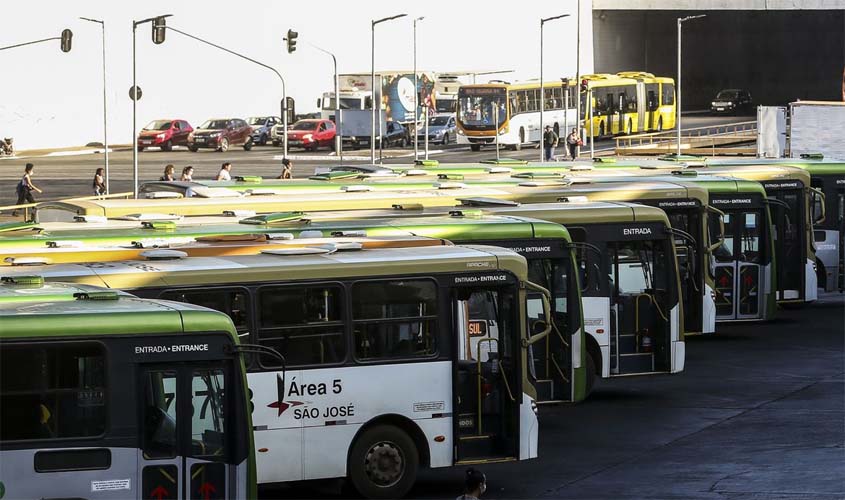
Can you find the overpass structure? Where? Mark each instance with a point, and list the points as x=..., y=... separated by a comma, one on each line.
x=779, y=50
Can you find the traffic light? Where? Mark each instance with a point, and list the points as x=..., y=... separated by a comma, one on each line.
x=291, y=39
x=291, y=109
x=67, y=36
x=159, y=29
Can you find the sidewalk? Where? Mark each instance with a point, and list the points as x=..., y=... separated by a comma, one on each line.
x=67, y=151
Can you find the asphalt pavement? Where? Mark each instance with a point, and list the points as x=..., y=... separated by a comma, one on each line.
x=758, y=413
x=65, y=174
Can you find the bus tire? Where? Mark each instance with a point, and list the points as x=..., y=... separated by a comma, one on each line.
x=475, y=147
x=601, y=129
x=660, y=124
x=383, y=462
x=630, y=127
x=556, y=128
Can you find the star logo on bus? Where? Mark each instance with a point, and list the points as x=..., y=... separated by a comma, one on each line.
x=280, y=402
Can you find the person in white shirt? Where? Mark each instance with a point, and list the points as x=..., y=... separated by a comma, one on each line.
x=224, y=174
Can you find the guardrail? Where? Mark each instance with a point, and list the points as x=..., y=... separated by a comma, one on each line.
x=27, y=206
x=699, y=139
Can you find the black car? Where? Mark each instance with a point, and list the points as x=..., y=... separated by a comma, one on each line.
x=731, y=101
x=395, y=134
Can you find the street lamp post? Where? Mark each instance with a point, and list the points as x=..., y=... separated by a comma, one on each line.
x=338, y=141
x=135, y=97
x=542, y=89
x=376, y=103
x=578, y=74
x=105, y=108
x=416, y=96
x=681, y=20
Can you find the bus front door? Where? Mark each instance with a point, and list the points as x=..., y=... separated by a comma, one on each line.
x=188, y=432
x=790, y=245
x=738, y=271
x=640, y=334
x=487, y=384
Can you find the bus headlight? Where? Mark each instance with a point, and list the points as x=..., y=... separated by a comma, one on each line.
x=461, y=131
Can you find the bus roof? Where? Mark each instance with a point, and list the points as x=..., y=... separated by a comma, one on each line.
x=445, y=194
x=258, y=268
x=32, y=310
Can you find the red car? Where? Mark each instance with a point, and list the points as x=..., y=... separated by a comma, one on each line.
x=312, y=134
x=164, y=134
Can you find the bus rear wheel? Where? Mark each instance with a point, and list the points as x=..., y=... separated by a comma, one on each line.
x=383, y=462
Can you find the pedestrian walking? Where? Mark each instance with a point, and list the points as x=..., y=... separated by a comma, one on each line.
x=25, y=187
x=550, y=139
x=187, y=174
x=474, y=486
x=99, y=182
x=225, y=173
x=573, y=141
x=287, y=169
x=169, y=173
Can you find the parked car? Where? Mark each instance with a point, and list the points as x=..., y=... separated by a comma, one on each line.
x=441, y=129
x=312, y=134
x=164, y=134
x=731, y=101
x=220, y=134
x=262, y=127
x=395, y=134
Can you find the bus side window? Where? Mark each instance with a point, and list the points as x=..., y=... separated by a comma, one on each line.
x=304, y=323
x=52, y=392
x=394, y=319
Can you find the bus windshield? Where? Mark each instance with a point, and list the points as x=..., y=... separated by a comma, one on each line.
x=477, y=107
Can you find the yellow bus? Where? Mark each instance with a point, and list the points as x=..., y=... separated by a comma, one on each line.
x=627, y=103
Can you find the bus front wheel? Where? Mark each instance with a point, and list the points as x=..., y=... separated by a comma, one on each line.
x=383, y=462
x=475, y=147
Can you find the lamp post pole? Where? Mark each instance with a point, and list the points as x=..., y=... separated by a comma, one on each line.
x=338, y=142
x=135, y=96
x=542, y=88
x=105, y=104
x=416, y=96
x=681, y=20
x=578, y=75
x=376, y=103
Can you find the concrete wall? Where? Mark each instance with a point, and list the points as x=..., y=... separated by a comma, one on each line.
x=779, y=55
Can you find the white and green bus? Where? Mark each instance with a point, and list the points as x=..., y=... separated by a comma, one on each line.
x=359, y=330
x=105, y=395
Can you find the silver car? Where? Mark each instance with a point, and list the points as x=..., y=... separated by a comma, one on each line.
x=441, y=129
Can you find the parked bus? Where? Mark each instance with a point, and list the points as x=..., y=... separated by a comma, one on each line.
x=828, y=212
x=630, y=281
x=105, y=395
x=454, y=317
